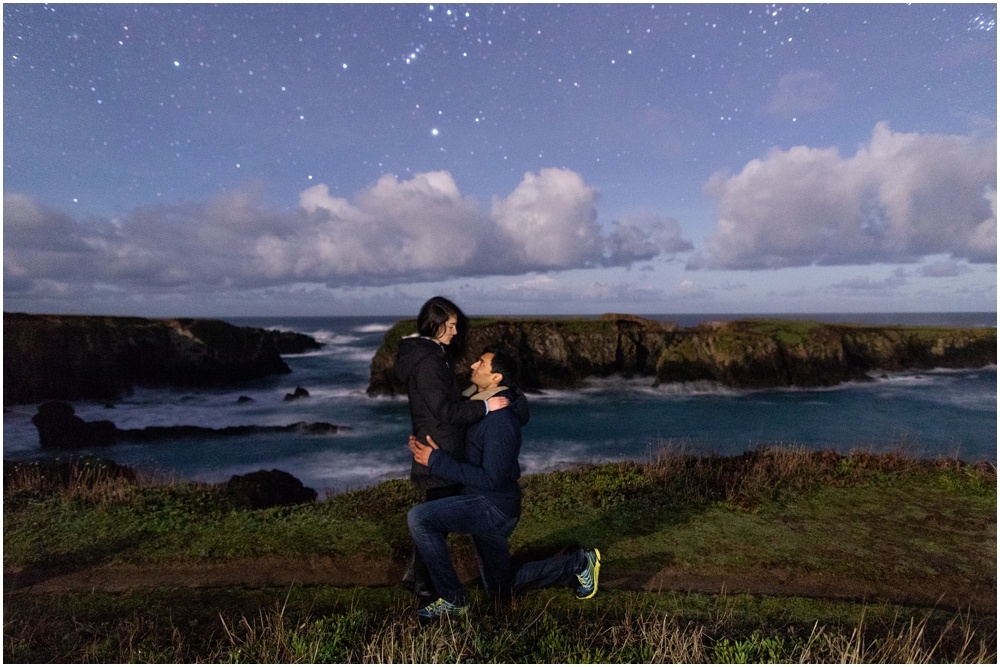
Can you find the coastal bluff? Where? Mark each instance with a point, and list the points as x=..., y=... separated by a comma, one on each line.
x=71, y=357
x=560, y=353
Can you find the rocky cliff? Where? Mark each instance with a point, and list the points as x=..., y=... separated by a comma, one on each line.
x=72, y=357
x=752, y=353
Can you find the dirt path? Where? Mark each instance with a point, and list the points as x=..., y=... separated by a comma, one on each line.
x=936, y=592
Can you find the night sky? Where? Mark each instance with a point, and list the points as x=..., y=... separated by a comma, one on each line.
x=169, y=160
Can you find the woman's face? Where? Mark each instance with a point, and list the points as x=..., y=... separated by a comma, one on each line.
x=447, y=331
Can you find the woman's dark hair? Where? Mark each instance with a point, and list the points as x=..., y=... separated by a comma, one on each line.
x=434, y=314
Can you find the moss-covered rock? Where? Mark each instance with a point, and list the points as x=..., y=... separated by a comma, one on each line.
x=752, y=353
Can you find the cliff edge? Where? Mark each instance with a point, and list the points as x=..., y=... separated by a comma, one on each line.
x=70, y=357
x=750, y=353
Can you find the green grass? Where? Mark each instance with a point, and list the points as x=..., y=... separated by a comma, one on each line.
x=820, y=512
x=851, y=520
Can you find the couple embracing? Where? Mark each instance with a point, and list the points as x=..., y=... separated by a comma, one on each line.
x=465, y=448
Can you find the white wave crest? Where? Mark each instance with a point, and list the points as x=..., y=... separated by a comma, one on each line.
x=372, y=328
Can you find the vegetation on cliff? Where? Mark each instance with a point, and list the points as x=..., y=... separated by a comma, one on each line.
x=751, y=353
x=69, y=357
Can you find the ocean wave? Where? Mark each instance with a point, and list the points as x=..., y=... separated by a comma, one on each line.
x=337, y=392
x=339, y=471
x=332, y=338
x=600, y=388
x=546, y=456
x=372, y=328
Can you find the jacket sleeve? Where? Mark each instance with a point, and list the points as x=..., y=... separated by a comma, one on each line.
x=433, y=383
x=499, y=457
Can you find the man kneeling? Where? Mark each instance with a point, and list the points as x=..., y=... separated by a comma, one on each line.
x=489, y=506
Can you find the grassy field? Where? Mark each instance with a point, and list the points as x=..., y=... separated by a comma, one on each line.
x=859, y=558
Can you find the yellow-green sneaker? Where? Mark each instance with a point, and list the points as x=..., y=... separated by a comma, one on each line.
x=588, y=576
x=439, y=608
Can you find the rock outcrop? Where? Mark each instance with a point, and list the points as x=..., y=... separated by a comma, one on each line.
x=751, y=353
x=69, y=357
x=60, y=428
x=262, y=489
x=289, y=342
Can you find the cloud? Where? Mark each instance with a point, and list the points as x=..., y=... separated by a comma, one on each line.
x=643, y=236
x=688, y=289
x=799, y=92
x=944, y=269
x=546, y=289
x=392, y=232
x=900, y=198
x=865, y=284
x=551, y=220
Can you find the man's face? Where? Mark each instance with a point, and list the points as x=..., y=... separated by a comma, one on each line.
x=482, y=372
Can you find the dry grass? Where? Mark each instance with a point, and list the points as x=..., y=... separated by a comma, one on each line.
x=91, y=480
x=529, y=633
x=755, y=476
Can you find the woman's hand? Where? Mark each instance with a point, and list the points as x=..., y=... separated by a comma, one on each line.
x=497, y=403
x=422, y=452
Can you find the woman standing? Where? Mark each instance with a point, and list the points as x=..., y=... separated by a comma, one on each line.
x=425, y=365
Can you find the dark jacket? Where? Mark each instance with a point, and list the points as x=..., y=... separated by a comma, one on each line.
x=492, y=446
x=436, y=404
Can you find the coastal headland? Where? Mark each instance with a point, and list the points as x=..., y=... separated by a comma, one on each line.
x=750, y=353
x=780, y=554
x=72, y=357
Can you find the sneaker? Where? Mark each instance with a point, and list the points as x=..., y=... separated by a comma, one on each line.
x=588, y=575
x=440, y=608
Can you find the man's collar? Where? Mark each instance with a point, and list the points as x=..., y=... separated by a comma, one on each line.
x=487, y=393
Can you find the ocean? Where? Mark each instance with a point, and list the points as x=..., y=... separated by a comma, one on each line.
x=929, y=413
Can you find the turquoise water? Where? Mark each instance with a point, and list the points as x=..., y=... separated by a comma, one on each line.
x=929, y=413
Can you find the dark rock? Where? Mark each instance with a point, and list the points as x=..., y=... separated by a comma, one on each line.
x=753, y=353
x=60, y=428
x=289, y=342
x=262, y=489
x=299, y=393
x=244, y=399
x=317, y=428
x=66, y=357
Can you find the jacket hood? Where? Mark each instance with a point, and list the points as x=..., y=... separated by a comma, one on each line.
x=411, y=352
x=518, y=404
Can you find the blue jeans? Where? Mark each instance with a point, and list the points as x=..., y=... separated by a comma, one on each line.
x=490, y=529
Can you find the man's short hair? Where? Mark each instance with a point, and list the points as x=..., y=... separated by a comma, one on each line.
x=503, y=363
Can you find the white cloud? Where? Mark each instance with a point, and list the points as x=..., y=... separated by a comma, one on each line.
x=393, y=232
x=551, y=220
x=901, y=197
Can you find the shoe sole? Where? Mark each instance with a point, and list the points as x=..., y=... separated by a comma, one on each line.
x=597, y=569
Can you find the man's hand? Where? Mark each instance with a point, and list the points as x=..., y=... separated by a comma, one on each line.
x=497, y=403
x=422, y=452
